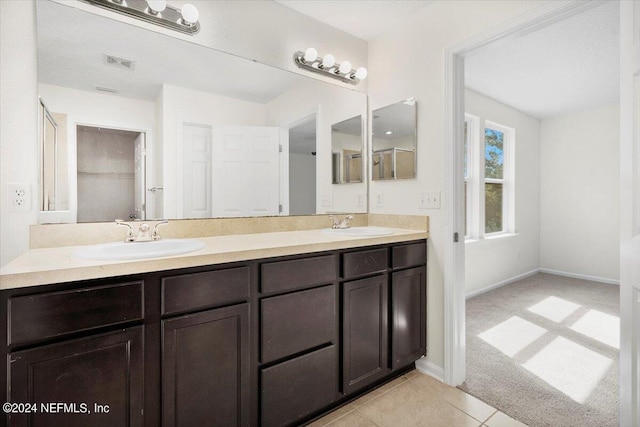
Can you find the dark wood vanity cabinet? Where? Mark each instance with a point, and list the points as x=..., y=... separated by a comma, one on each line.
x=364, y=324
x=77, y=347
x=103, y=370
x=273, y=342
x=408, y=316
x=205, y=368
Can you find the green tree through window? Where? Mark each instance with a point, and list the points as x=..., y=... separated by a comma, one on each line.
x=494, y=174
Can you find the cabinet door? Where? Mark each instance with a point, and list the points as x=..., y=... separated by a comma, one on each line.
x=408, y=322
x=205, y=368
x=365, y=332
x=106, y=370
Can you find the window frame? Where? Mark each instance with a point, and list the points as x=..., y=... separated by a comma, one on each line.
x=476, y=180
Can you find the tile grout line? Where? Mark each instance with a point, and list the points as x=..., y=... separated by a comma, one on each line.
x=488, y=418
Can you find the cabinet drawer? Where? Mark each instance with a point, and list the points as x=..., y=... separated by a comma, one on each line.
x=409, y=255
x=200, y=290
x=296, y=322
x=35, y=317
x=298, y=387
x=298, y=273
x=364, y=262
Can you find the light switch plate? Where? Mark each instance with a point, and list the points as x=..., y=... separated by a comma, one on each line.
x=327, y=200
x=379, y=200
x=429, y=200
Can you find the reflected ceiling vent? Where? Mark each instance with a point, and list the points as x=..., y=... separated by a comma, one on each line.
x=119, y=62
x=106, y=89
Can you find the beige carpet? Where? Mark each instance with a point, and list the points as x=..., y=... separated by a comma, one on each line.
x=544, y=350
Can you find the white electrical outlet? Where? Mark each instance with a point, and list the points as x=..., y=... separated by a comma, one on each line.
x=19, y=197
x=360, y=201
x=379, y=200
x=327, y=200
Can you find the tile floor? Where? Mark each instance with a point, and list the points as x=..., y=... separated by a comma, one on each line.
x=415, y=399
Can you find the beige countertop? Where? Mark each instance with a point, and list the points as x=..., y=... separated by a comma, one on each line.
x=57, y=265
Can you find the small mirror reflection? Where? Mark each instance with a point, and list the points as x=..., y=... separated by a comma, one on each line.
x=346, y=151
x=394, y=141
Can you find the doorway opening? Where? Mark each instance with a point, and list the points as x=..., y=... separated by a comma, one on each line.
x=111, y=170
x=302, y=167
x=519, y=205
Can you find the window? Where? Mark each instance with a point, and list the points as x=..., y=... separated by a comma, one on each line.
x=488, y=178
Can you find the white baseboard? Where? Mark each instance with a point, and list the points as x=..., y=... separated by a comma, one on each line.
x=430, y=368
x=581, y=276
x=502, y=283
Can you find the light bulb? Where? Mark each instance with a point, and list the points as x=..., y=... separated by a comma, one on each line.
x=157, y=6
x=190, y=14
x=328, y=61
x=361, y=73
x=310, y=55
x=345, y=67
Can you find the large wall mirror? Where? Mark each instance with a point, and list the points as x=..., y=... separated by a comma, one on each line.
x=394, y=141
x=158, y=127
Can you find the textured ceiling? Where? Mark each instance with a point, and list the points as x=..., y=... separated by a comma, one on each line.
x=568, y=66
x=365, y=19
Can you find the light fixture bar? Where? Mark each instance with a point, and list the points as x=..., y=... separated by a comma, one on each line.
x=171, y=17
x=310, y=61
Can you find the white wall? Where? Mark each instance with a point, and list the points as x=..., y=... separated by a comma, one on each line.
x=18, y=122
x=302, y=189
x=491, y=261
x=179, y=106
x=580, y=226
x=405, y=61
x=97, y=109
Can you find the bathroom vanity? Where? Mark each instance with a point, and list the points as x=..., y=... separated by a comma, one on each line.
x=235, y=339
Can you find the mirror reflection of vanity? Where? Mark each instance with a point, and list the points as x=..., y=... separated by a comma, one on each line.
x=158, y=127
x=394, y=141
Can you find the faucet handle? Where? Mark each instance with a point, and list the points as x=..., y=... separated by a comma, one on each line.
x=130, y=237
x=155, y=235
x=336, y=222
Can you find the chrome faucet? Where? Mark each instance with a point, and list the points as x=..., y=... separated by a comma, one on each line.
x=143, y=234
x=129, y=237
x=341, y=223
x=155, y=235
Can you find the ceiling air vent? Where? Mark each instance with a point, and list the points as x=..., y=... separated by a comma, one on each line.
x=106, y=89
x=119, y=62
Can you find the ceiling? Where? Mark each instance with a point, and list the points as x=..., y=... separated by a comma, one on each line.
x=568, y=66
x=365, y=19
x=71, y=52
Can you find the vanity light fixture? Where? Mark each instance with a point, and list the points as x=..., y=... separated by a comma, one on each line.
x=309, y=60
x=156, y=12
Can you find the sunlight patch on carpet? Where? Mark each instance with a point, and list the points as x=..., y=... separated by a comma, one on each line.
x=570, y=368
x=554, y=308
x=600, y=326
x=512, y=335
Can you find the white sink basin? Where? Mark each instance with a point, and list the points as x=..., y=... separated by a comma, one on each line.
x=359, y=231
x=139, y=250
